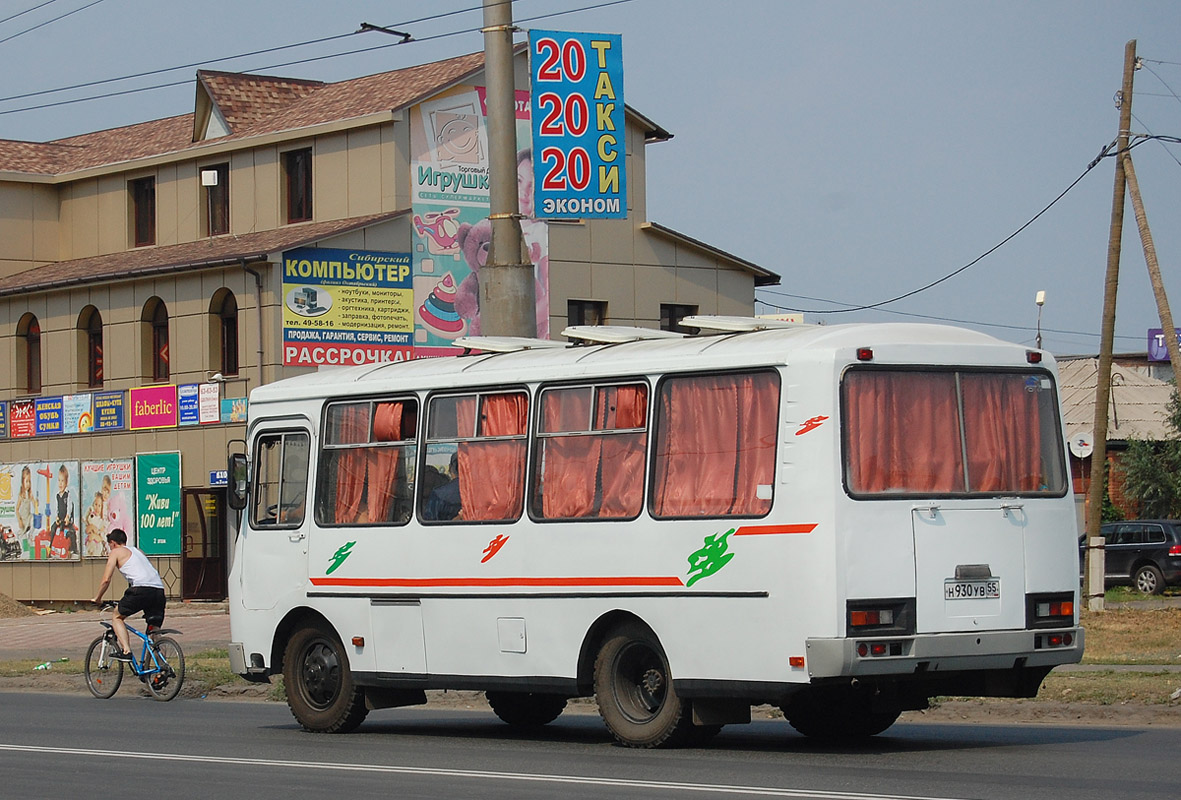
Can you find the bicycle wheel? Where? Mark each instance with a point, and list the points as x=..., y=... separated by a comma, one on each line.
x=165, y=684
x=103, y=672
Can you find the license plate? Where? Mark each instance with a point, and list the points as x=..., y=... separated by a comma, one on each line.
x=971, y=590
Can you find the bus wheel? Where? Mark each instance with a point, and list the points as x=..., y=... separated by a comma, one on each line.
x=634, y=690
x=526, y=709
x=319, y=685
x=837, y=715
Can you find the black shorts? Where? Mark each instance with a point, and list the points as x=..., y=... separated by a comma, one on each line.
x=147, y=599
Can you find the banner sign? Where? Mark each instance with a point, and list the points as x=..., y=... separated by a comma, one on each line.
x=157, y=478
x=1157, y=349
x=108, y=411
x=153, y=407
x=49, y=415
x=188, y=403
x=578, y=125
x=3, y=419
x=22, y=420
x=108, y=502
x=39, y=514
x=346, y=307
x=77, y=416
x=233, y=409
x=209, y=403
x=449, y=197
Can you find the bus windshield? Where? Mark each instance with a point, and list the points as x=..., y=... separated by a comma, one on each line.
x=951, y=432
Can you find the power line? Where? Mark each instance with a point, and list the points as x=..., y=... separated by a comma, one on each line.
x=1105, y=152
x=916, y=315
x=49, y=21
x=26, y=11
x=278, y=65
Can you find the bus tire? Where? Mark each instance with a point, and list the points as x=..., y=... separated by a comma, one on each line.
x=320, y=689
x=837, y=715
x=635, y=694
x=526, y=709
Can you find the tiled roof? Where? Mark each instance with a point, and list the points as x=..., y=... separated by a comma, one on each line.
x=179, y=257
x=244, y=100
x=252, y=105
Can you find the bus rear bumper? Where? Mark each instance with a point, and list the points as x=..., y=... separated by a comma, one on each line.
x=240, y=666
x=944, y=652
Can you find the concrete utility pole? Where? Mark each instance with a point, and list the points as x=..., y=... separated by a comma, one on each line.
x=507, y=298
x=1093, y=583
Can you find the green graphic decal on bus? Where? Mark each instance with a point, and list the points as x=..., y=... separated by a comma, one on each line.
x=339, y=556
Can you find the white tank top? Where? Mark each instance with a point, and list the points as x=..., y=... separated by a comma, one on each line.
x=139, y=571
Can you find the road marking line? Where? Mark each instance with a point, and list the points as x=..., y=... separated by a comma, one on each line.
x=760, y=791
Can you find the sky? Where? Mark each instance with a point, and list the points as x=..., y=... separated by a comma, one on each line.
x=861, y=150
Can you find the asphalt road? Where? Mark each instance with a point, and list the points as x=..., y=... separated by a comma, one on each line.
x=74, y=746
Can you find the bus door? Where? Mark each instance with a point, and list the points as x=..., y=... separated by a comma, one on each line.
x=276, y=532
x=969, y=567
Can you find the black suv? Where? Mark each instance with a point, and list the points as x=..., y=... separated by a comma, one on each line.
x=1145, y=553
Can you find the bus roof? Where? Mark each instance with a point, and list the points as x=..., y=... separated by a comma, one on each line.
x=899, y=342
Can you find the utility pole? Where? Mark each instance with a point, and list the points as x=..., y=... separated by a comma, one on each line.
x=507, y=298
x=1158, y=286
x=1094, y=579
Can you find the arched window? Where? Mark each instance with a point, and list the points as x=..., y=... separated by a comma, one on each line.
x=28, y=331
x=223, y=332
x=155, y=340
x=90, y=350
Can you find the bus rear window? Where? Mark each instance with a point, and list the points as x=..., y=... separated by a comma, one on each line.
x=951, y=432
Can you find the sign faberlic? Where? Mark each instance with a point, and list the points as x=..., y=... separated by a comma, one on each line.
x=153, y=407
x=578, y=125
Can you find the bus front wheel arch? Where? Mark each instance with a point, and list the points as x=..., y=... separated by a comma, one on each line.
x=321, y=692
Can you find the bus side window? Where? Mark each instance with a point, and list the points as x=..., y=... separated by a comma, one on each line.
x=486, y=433
x=280, y=479
x=715, y=445
x=590, y=448
x=367, y=463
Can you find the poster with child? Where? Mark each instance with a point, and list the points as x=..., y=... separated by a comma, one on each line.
x=108, y=494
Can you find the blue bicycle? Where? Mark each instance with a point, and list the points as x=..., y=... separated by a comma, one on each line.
x=160, y=663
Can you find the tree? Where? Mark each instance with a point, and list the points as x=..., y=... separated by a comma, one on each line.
x=1152, y=470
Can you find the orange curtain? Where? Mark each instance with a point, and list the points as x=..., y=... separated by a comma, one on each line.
x=903, y=432
x=706, y=445
x=1003, y=434
x=492, y=474
x=352, y=425
x=383, y=461
x=622, y=462
x=569, y=464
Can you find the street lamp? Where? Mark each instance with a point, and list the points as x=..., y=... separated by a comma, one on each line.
x=1041, y=301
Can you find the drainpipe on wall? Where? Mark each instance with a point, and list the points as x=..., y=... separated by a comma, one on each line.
x=258, y=305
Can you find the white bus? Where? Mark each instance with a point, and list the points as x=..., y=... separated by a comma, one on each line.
x=842, y=521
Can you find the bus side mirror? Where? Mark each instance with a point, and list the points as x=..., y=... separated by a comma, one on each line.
x=239, y=474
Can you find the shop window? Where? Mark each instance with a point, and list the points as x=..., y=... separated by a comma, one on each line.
x=671, y=315
x=154, y=323
x=715, y=445
x=586, y=312
x=215, y=185
x=143, y=211
x=28, y=332
x=297, y=179
x=90, y=347
x=223, y=317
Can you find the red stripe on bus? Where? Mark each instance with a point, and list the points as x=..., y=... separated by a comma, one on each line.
x=764, y=530
x=470, y=582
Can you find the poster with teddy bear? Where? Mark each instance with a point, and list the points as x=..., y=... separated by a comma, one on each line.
x=451, y=231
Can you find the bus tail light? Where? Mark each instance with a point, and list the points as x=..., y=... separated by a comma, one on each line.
x=877, y=649
x=880, y=618
x=1049, y=610
x=874, y=617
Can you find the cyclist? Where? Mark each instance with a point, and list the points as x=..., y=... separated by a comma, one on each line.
x=145, y=589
